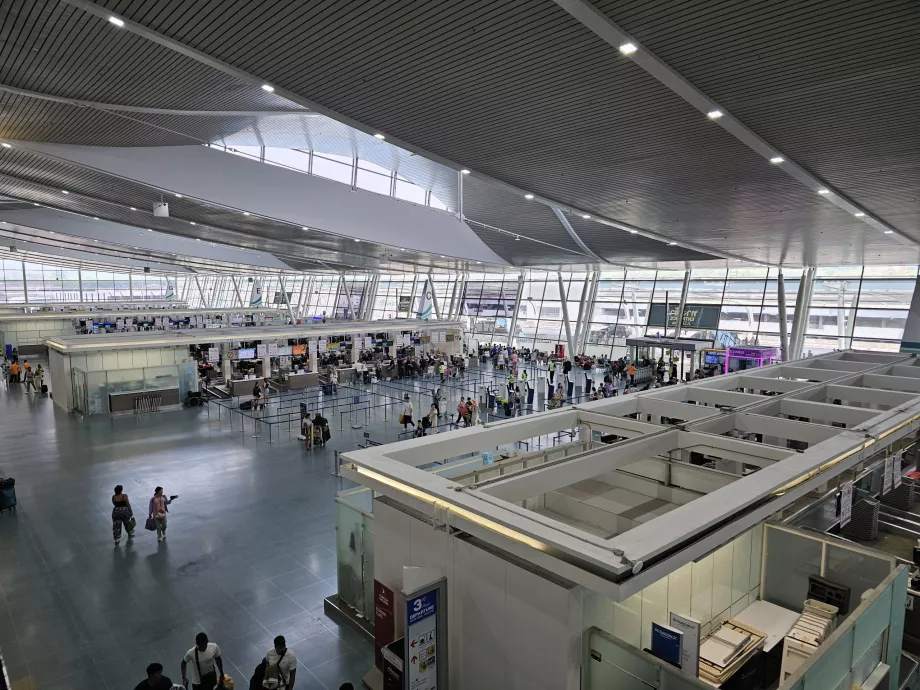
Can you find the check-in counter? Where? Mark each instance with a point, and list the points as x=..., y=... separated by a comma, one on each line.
x=124, y=402
x=347, y=375
x=243, y=386
x=303, y=380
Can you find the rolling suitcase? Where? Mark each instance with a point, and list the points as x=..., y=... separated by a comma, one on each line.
x=44, y=388
x=7, y=494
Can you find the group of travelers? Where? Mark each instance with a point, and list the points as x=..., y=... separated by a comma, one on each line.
x=314, y=428
x=123, y=514
x=14, y=372
x=203, y=668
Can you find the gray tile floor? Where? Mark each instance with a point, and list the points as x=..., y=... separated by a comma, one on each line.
x=250, y=552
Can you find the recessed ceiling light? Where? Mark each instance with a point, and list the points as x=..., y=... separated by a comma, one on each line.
x=528, y=196
x=401, y=249
x=517, y=238
x=464, y=171
x=6, y=146
x=478, y=262
x=777, y=159
x=269, y=88
x=178, y=196
x=94, y=217
x=304, y=228
x=671, y=244
x=357, y=240
x=378, y=135
x=192, y=222
x=585, y=216
x=714, y=114
x=245, y=213
x=95, y=240
x=628, y=49
x=198, y=239
x=117, y=22
x=824, y=191
x=34, y=204
x=860, y=214
x=133, y=209
x=633, y=232
x=441, y=255
x=149, y=230
x=889, y=232
x=64, y=191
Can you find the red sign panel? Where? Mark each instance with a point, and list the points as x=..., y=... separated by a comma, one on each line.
x=384, y=621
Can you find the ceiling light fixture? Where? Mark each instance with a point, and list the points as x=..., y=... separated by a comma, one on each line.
x=671, y=244
x=246, y=213
x=889, y=232
x=585, y=216
x=149, y=229
x=824, y=191
x=117, y=22
x=94, y=217
x=133, y=209
x=628, y=49
x=192, y=222
x=178, y=196
x=357, y=240
x=517, y=238
x=34, y=204
x=478, y=262
x=633, y=232
x=198, y=239
x=64, y=191
x=378, y=135
x=268, y=88
x=528, y=196
x=860, y=214
x=6, y=146
x=714, y=114
x=304, y=227
x=462, y=172
x=777, y=159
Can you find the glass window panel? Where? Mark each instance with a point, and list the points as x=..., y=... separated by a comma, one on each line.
x=288, y=158
x=324, y=167
x=373, y=182
x=409, y=192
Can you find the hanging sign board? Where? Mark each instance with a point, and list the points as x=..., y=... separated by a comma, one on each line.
x=312, y=347
x=261, y=350
x=213, y=354
x=273, y=349
x=887, y=476
x=846, y=503
x=384, y=619
x=323, y=345
x=368, y=342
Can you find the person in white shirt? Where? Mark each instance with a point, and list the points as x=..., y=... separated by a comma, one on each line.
x=280, y=666
x=407, y=413
x=205, y=661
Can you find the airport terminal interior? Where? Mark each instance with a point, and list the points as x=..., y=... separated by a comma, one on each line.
x=470, y=345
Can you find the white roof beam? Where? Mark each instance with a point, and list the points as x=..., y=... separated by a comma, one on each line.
x=827, y=412
x=894, y=383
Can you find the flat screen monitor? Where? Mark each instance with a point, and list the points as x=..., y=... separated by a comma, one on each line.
x=711, y=358
x=248, y=353
x=299, y=350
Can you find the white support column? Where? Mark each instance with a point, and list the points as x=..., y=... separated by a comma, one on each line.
x=335, y=302
x=302, y=310
x=453, y=298
x=80, y=282
x=350, y=309
x=512, y=329
x=565, y=314
x=303, y=283
x=681, y=306
x=800, y=318
x=287, y=301
x=412, y=298
x=592, y=300
x=783, y=326
x=434, y=298
x=581, y=312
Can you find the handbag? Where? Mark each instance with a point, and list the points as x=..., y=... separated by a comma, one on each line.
x=150, y=525
x=132, y=523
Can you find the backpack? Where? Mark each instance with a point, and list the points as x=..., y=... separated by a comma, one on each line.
x=272, y=672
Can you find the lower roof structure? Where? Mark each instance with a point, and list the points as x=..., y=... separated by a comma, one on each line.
x=679, y=471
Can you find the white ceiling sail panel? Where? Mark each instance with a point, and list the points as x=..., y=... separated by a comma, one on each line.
x=69, y=256
x=265, y=190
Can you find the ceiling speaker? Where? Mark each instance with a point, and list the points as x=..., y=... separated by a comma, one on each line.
x=161, y=209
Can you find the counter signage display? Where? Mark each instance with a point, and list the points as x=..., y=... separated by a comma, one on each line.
x=690, y=643
x=846, y=503
x=285, y=350
x=261, y=350
x=887, y=477
x=322, y=345
x=273, y=349
x=247, y=353
x=213, y=354
x=422, y=640
x=313, y=346
x=368, y=342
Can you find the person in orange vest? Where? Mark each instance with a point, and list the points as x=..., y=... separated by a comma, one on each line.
x=631, y=370
x=14, y=372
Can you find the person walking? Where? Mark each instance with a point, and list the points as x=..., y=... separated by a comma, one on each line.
x=433, y=415
x=631, y=371
x=122, y=514
x=407, y=413
x=155, y=679
x=39, y=378
x=29, y=380
x=256, y=396
x=206, y=663
x=26, y=367
x=280, y=666
x=157, y=510
x=551, y=368
x=442, y=369
x=14, y=372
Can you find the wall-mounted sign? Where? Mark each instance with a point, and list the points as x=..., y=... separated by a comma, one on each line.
x=273, y=349
x=368, y=342
x=262, y=351
x=323, y=345
x=384, y=619
x=888, y=475
x=846, y=503
x=213, y=354
x=312, y=347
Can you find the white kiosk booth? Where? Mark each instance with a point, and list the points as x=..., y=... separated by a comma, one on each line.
x=634, y=542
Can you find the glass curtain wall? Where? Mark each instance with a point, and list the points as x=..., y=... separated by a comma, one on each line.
x=28, y=282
